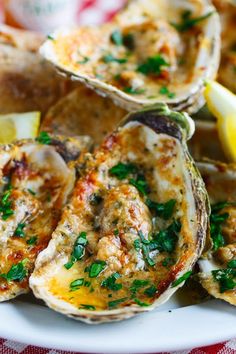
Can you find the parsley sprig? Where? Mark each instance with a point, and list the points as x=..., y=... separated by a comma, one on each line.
x=78, y=250
x=6, y=203
x=17, y=272
x=153, y=65
x=44, y=138
x=189, y=22
x=226, y=277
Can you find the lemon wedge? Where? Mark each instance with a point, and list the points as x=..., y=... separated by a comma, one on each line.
x=17, y=126
x=222, y=104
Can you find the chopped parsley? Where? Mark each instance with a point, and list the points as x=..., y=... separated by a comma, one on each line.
x=78, y=250
x=163, y=210
x=83, y=61
x=225, y=277
x=6, y=203
x=122, y=170
x=44, y=138
x=96, y=268
x=117, y=38
x=134, y=91
x=165, y=91
x=117, y=302
x=50, y=37
x=151, y=291
x=110, y=282
x=137, y=285
x=128, y=41
x=181, y=279
x=76, y=284
x=140, y=183
x=217, y=219
x=232, y=264
x=189, y=22
x=32, y=240
x=141, y=303
x=167, y=262
x=87, y=307
x=109, y=58
x=31, y=192
x=153, y=65
x=19, y=230
x=17, y=272
x=165, y=240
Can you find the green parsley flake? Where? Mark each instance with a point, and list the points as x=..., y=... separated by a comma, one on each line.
x=87, y=307
x=19, y=230
x=134, y=91
x=153, y=65
x=189, y=22
x=32, y=240
x=44, y=138
x=110, y=282
x=141, y=303
x=78, y=250
x=122, y=170
x=117, y=38
x=76, y=284
x=226, y=278
x=117, y=302
x=109, y=58
x=141, y=184
x=163, y=210
x=17, y=272
x=181, y=279
x=165, y=91
x=151, y=291
x=96, y=268
x=166, y=239
x=31, y=192
x=137, y=285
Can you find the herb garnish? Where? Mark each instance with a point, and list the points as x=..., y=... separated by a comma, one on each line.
x=76, y=284
x=153, y=65
x=216, y=222
x=137, y=285
x=17, y=272
x=44, y=138
x=122, y=170
x=31, y=192
x=189, y=22
x=50, y=37
x=117, y=302
x=78, y=251
x=141, y=303
x=140, y=183
x=166, y=240
x=117, y=38
x=165, y=91
x=226, y=277
x=87, y=307
x=96, y=268
x=181, y=279
x=19, y=230
x=128, y=41
x=83, y=61
x=32, y=240
x=133, y=91
x=167, y=262
x=163, y=210
x=151, y=291
x=109, y=58
x=110, y=282
x=6, y=203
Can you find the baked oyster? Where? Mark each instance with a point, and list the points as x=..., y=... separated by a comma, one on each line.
x=36, y=178
x=134, y=227
x=153, y=51
x=218, y=265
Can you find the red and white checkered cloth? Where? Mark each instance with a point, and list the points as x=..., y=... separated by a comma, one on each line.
x=96, y=12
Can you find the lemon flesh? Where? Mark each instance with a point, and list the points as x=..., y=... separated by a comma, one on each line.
x=17, y=126
x=222, y=104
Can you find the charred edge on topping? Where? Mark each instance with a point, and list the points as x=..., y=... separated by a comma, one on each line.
x=67, y=153
x=161, y=124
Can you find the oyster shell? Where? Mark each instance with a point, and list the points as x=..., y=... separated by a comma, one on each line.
x=134, y=227
x=141, y=58
x=218, y=265
x=36, y=180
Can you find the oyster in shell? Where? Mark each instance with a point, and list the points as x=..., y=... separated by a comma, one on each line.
x=134, y=227
x=218, y=265
x=153, y=51
x=36, y=179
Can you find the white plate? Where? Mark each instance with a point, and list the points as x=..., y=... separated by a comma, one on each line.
x=161, y=330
